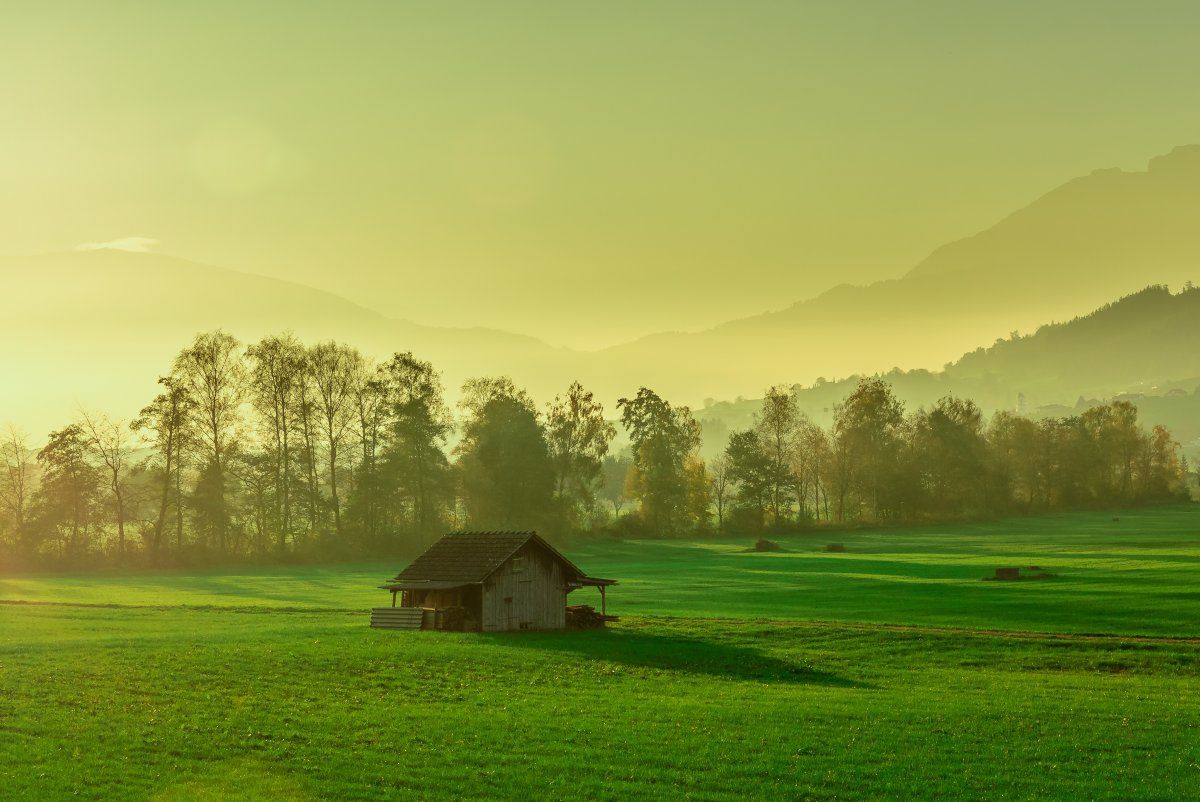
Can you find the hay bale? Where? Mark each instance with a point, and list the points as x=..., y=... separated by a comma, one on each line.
x=836, y=547
x=1008, y=573
x=762, y=544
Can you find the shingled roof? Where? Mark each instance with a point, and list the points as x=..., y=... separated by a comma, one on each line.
x=469, y=557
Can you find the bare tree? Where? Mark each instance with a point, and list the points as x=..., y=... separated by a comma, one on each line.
x=722, y=486
x=807, y=459
x=334, y=369
x=616, y=472
x=277, y=365
x=370, y=412
x=108, y=442
x=16, y=481
x=165, y=420
x=306, y=416
x=214, y=375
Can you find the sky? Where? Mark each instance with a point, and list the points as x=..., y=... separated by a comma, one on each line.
x=583, y=172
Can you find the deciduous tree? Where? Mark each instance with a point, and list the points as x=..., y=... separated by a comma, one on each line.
x=165, y=423
x=504, y=461
x=578, y=436
x=212, y=371
x=108, y=442
x=663, y=437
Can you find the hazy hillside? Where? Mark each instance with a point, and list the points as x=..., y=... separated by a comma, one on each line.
x=1142, y=347
x=1143, y=340
x=1093, y=239
x=98, y=327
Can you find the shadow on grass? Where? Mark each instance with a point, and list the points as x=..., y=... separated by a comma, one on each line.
x=673, y=653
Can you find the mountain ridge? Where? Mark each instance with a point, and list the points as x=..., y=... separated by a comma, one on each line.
x=97, y=327
x=113, y=319
x=1138, y=348
x=1073, y=248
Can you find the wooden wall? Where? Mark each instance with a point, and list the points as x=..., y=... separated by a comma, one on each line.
x=528, y=592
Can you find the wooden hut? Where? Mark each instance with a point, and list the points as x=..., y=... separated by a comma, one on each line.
x=489, y=581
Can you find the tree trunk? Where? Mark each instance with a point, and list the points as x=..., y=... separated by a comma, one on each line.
x=333, y=492
x=179, y=509
x=162, y=507
x=116, y=487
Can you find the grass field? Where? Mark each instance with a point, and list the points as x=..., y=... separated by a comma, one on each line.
x=791, y=675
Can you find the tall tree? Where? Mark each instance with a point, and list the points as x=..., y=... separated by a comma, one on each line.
x=810, y=468
x=165, y=423
x=307, y=417
x=867, y=427
x=212, y=371
x=699, y=491
x=68, y=490
x=950, y=456
x=335, y=368
x=663, y=438
x=776, y=428
x=370, y=414
x=108, y=441
x=1115, y=439
x=752, y=473
x=722, y=487
x=417, y=424
x=16, y=484
x=1016, y=459
x=1164, y=475
x=505, y=464
x=578, y=436
x=276, y=368
x=616, y=472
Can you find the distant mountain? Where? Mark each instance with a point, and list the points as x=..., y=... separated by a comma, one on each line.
x=1142, y=348
x=1093, y=239
x=98, y=328
x=1106, y=229
x=1145, y=340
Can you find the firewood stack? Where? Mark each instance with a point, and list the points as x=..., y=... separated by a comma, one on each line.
x=583, y=616
x=454, y=619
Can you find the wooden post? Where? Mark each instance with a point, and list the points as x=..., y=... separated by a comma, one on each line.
x=603, y=602
x=393, y=598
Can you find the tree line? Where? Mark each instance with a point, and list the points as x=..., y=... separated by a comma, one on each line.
x=877, y=463
x=280, y=450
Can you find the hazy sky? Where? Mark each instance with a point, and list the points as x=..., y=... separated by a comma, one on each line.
x=585, y=172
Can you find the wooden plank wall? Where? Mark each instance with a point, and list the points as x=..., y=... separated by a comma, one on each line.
x=535, y=597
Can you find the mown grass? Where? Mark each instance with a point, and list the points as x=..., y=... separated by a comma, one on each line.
x=1136, y=575
x=178, y=704
x=269, y=684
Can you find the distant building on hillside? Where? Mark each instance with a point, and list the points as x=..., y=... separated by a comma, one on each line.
x=489, y=581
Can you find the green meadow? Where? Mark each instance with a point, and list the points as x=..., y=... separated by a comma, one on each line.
x=1133, y=572
x=890, y=670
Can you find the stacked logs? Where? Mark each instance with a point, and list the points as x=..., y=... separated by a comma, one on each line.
x=583, y=616
x=455, y=619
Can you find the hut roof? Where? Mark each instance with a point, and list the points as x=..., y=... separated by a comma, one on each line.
x=470, y=557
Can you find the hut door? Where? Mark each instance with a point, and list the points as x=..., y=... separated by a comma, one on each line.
x=524, y=604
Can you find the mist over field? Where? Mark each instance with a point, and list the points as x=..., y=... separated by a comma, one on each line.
x=98, y=324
